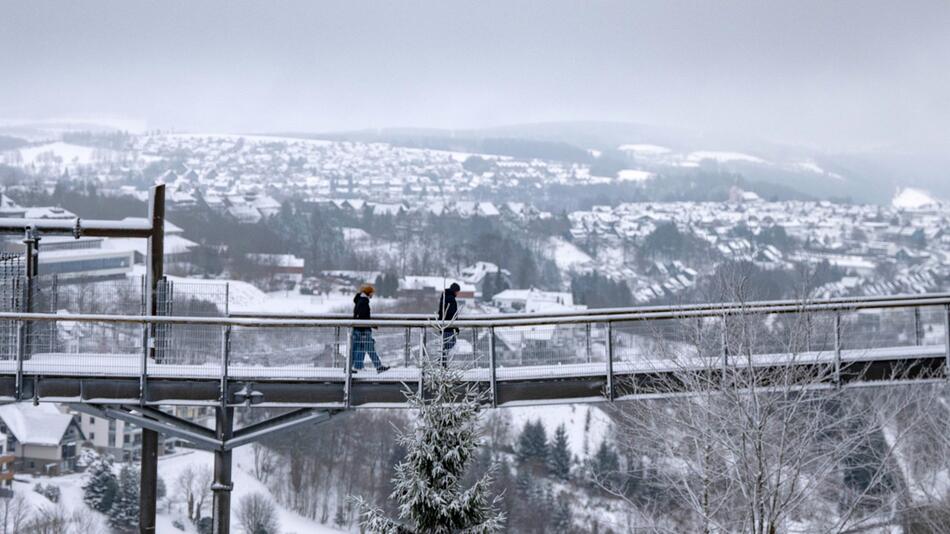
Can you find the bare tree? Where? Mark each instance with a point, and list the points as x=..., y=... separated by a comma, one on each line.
x=49, y=519
x=16, y=514
x=767, y=440
x=194, y=487
x=264, y=462
x=256, y=514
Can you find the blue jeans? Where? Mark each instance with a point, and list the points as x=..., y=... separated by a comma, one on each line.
x=361, y=344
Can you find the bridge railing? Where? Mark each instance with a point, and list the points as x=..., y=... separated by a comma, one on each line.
x=497, y=349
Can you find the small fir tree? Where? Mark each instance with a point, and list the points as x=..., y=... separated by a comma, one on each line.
x=99, y=490
x=124, y=514
x=440, y=445
x=532, y=449
x=559, y=456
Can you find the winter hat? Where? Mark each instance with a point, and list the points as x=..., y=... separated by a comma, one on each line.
x=454, y=287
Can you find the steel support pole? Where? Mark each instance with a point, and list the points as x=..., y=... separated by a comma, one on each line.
x=491, y=366
x=348, y=369
x=408, y=349
x=587, y=341
x=837, y=376
x=225, y=360
x=31, y=268
x=918, y=335
x=610, y=361
x=474, y=345
x=154, y=269
x=222, y=485
x=149, y=481
x=946, y=339
x=336, y=345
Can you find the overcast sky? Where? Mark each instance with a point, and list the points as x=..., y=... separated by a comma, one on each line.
x=832, y=73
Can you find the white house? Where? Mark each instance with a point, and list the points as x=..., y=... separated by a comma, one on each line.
x=42, y=438
x=534, y=301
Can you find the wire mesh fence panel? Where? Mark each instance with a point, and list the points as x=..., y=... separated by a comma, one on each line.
x=932, y=326
x=286, y=353
x=545, y=351
x=188, y=349
x=878, y=329
x=658, y=343
x=50, y=294
x=12, y=270
x=86, y=348
x=779, y=337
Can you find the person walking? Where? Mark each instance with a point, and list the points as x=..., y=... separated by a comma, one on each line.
x=361, y=340
x=448, y=310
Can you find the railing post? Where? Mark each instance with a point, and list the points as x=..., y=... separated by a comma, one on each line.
x=491, y=364
x=946, y=339
x=610, y=361
x=837, y=376
x=336, y=345
x=587, y=341
x=408, y=349
x=918, y=335
x=724, y=339
x=348, y=367
x=474, y=346
x=225, y=361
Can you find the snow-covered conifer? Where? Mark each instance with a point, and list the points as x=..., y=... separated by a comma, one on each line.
x=124, y=514
x=440, y=444
x=99, y=490
x=559, y=455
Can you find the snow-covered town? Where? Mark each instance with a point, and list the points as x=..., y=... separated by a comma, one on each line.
x=444, y=267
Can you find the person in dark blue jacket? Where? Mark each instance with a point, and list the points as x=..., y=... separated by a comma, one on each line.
x=447, y=312
x=361, y=341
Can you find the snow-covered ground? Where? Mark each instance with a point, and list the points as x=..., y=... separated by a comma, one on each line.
x=913, y=199
x=169, y=509
x=171, y=467
x=634, y=175
x=567, y=256
x=586, y=424
x=722, y=157
x=69, y=154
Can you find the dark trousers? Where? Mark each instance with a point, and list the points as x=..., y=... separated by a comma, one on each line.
x=361, y=344
x=449, y=337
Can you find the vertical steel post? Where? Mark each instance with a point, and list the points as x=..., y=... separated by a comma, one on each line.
x=837, y=376
x=918, y=335
x=225, y=357
x=946, y=339
x=20, y=353
x=154, y=269
x=225, y=350
x=348, y=367
x=408, y=348
x=32, y=242
x=491, y=364
x=474, y=346
x=336, y=345
x=587, y=341
x=222, y=485
x=725, y=344
x=610, y=361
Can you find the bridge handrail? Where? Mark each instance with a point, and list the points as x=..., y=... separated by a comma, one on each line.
x=600, y=312
x=511, y=320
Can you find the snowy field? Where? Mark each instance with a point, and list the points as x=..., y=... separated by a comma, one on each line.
x=171, y=509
